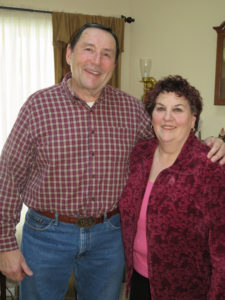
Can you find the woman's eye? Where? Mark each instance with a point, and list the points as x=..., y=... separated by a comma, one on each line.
x=160, y=108
x=177, y=109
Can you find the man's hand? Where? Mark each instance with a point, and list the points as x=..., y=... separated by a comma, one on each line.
x=14, y=266
x=217, y=151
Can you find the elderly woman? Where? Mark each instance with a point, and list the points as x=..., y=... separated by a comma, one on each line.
x=173, y=207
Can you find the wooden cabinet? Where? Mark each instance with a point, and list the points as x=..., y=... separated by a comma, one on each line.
x=2, y=287
x=220, y=66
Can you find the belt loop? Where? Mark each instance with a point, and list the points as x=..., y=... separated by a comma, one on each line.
x=56, y=219
x=105, y=217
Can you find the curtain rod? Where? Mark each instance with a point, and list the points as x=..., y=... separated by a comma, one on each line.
x=126, y=20
x=26, y=9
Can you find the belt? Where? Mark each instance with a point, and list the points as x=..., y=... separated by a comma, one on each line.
x=81, y=222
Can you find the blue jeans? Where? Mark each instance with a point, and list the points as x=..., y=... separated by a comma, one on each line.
x=53, y=250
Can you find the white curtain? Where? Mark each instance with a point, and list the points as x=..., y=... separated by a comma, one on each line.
x=26, y=65
x=26, y=61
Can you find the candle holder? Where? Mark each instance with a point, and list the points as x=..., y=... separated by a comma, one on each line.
x=149, y=82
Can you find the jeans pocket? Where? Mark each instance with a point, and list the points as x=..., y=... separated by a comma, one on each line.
x=114, y=222
x=37, y=222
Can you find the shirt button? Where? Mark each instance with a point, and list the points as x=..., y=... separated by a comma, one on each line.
x=92, y=132
x=93, y=198
x=93, y=154
x=93, y=176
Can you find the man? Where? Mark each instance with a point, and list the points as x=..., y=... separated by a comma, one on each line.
x=67, y=159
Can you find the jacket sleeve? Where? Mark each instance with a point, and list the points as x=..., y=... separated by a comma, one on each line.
x=215, y=200
x=15, y=162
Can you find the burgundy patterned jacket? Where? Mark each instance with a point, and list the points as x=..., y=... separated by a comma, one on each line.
x=185, y=223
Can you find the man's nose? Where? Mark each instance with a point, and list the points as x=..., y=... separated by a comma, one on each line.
x=97, y=58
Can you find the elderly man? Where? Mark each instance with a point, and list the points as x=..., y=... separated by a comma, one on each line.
x=67, y=159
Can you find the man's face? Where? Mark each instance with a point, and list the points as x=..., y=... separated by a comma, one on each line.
x=92, y=62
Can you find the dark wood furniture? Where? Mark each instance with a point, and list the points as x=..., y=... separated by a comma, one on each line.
x=220, y=66
x=2, y=287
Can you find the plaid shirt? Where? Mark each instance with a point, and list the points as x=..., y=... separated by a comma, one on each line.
x=66, y=157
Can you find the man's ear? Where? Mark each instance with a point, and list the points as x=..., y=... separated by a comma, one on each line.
x=68, y=54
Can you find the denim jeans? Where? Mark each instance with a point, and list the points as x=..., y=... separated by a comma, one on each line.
x=53, y=250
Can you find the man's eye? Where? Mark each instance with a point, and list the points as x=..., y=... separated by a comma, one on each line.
x=107, y=55
x=177, y=109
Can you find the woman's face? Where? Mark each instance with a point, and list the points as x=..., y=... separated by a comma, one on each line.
x=172, y=118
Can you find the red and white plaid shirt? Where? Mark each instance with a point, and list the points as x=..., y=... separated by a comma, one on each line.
x=66, y=157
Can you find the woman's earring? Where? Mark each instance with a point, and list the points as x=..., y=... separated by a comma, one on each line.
x=152, y=129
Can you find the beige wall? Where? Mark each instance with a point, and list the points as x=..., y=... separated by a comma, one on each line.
x=176, y=34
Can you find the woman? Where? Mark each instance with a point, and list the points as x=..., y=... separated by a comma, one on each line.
x=173, y=207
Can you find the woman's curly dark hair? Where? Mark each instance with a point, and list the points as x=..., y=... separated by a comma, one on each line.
x=181, y=87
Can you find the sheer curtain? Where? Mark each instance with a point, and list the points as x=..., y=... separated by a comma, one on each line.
x=27, y=63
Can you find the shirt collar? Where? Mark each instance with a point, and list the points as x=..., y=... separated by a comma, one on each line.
x=188, y=160
x=74, y=97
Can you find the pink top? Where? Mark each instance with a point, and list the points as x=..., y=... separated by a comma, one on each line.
x=140, y=243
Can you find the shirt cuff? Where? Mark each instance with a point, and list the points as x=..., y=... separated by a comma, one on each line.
x=8, y=244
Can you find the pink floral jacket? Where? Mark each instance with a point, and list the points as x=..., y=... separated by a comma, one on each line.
x=185, y=223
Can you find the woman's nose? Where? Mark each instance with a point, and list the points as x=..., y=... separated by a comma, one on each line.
x=167, y=115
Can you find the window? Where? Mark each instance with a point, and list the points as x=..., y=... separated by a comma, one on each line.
x=27, y=62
